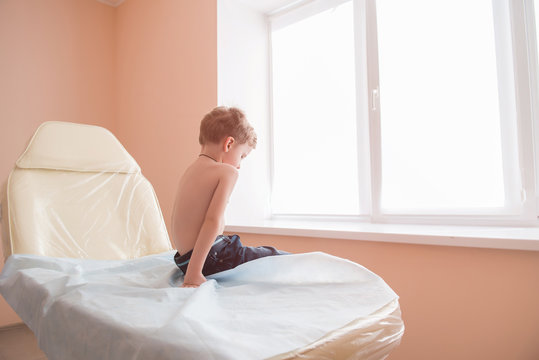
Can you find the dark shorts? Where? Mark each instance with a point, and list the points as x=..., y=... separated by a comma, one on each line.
x=226, y=253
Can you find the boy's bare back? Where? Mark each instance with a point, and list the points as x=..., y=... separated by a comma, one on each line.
x=202, y=195
x=226, y=137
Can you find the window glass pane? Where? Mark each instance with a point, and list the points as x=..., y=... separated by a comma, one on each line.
x=440, y=111
x=314, y=115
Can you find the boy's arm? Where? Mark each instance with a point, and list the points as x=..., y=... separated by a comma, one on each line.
x=211, y=227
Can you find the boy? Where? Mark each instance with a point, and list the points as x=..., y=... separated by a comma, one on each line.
x=226, y=137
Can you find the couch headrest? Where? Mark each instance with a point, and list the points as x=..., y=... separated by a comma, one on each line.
x=76, y=147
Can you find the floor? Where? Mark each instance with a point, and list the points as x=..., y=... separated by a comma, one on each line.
x=19, y=343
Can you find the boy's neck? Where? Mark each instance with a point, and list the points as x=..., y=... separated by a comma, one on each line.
x=208, y=156
x=211, y=151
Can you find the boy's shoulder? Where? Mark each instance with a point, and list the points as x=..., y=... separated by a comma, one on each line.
x=217, y=170
x=226, y=171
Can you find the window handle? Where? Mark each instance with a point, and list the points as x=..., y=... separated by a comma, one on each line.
x=374, y=99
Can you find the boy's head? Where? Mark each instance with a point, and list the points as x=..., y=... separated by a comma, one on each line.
x=223, y=122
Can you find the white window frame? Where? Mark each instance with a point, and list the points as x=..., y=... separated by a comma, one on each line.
x=368, y=110
x=531, y=36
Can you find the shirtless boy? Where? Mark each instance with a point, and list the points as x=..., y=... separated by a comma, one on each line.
x=226, y=137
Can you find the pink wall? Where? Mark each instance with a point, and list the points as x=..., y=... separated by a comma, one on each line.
x=166, y=58
x=139, y=70
x=147, y=70
x=56, y=63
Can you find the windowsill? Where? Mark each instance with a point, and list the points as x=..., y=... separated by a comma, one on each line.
x=514, y=238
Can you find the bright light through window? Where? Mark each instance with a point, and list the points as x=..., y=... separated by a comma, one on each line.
x=440, y=113
x=314, y=115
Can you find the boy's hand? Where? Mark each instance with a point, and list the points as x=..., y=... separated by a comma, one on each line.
x=193, y=281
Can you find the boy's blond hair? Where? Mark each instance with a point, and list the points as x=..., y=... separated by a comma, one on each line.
x=226, y=121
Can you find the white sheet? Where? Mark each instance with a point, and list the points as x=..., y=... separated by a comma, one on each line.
x=134, y=309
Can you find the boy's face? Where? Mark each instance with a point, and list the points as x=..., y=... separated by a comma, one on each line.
x=236, y=154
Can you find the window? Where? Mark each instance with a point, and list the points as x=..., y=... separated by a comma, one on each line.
x=314, y=111
x=411, y=110
x=443, y=105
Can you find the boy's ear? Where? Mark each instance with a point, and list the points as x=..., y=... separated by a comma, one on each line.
x=228, y=143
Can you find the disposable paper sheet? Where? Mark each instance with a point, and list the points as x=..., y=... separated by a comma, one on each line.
x=135, y=309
